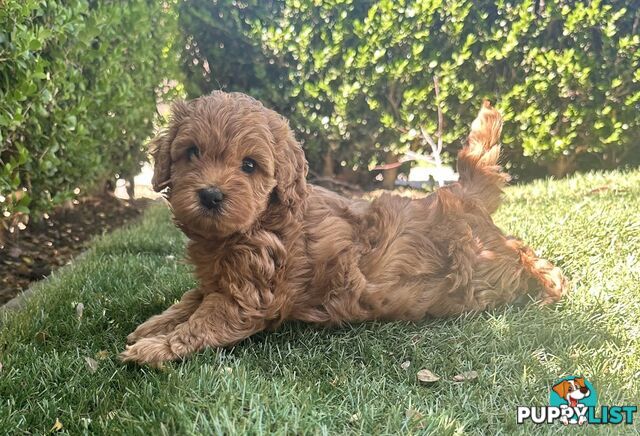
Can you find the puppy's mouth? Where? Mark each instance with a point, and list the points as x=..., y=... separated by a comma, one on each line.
x=212, y=215
x=211, y=212
x=205, y=223
x=216, y=221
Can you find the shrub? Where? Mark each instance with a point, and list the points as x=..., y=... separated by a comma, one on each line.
x=77, y=95
x=358, y=83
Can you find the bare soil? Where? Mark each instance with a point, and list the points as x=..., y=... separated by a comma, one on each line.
x=31, y=254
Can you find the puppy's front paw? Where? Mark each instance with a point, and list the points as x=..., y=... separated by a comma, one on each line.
x=149, y=350
x=147, y=329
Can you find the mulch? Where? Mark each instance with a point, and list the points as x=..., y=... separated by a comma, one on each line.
x=31, y=254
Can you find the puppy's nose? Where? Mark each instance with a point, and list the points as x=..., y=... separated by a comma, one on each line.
x=211, y=197
x=584, y=390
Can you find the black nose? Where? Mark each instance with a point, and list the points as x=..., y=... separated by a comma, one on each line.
x=584, y=390
x=211, y=197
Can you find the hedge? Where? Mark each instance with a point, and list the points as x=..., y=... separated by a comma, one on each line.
x=77, y=95
x=356, y=77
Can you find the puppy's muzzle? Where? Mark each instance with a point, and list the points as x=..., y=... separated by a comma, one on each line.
x=211, y=198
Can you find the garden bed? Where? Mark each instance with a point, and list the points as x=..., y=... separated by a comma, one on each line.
x=54, y=241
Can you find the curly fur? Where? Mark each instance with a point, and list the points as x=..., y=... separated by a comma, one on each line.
x=282, y=249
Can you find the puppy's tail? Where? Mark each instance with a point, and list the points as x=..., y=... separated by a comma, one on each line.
x=481, y=178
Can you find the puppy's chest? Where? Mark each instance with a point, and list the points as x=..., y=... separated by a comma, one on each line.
x=258, y=262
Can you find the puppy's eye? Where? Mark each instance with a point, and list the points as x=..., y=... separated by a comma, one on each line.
x=192, y=152
x=249, y=165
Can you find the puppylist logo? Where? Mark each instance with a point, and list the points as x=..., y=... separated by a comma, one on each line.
x=573, y=400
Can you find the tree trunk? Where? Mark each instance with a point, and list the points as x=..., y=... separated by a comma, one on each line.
x=562, y=166
x=390, y=175
x=327, y=163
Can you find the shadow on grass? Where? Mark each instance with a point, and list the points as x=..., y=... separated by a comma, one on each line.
x=550, y=338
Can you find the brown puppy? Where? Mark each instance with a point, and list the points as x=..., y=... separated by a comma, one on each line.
x=268, y=247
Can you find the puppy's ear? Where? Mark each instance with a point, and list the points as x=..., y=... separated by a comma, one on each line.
x=562, y=389
x=291, y=167
x=160, y=146
x=579, y=381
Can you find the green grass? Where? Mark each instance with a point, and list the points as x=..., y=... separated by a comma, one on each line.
x=303, y=379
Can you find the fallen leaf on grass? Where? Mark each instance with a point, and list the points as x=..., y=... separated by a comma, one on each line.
x=465, y=376
x=91, y=364
x=413, y=414
x=606, y=188
x=426, y=376
x=79, y=310
x=57, y=426
x=405, y=365
x=102, y=354
x=415, y=418
x=355, y=417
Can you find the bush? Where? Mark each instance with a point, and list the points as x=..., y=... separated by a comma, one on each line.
x=359, y=81
x=77, y=95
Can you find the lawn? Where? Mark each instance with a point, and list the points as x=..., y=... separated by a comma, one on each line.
x=303, y=379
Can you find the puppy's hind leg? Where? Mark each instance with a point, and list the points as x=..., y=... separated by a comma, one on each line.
x=512, y=271
x=169, y=319
x=505, y=271
x=548, y=279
